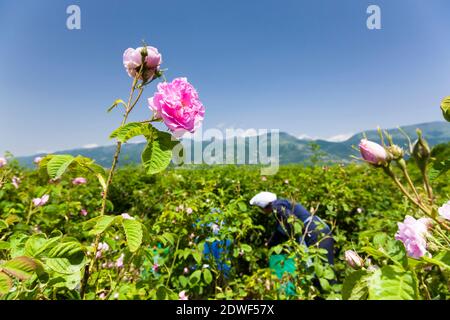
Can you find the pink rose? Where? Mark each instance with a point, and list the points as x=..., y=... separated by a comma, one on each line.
x=132, y=61
x=373, y=152
x=37, y=160
x=182, y=295
x=39, y=202
x=412, y=233
x=83, y=212
x=15, y=182
x=119, y=262
x=3, y=162
x=126, y=216
x=79, y=180
x=178, y=105
x=444, y=211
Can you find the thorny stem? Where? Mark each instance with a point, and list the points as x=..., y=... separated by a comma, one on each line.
x=173, y=261
x=402, y=165
x=425, y=210
x=128, y=109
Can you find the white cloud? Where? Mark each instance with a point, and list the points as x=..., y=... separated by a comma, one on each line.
x=340, y=137
x=90, y=146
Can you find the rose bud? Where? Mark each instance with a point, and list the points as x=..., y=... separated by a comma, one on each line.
x=445, y=107
x=373, y=153
x=421, y=151
x=396, y=152
x=353, y=259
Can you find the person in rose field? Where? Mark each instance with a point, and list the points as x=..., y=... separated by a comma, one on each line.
x=317, y=231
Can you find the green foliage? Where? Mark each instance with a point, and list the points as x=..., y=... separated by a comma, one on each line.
x=158, y=152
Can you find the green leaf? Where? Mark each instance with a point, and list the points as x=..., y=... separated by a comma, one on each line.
x=246, y=248
x=393, y=283
x=4, y=245
x=20, y=267
x=65, y=249
x=131, y=130
x=355, y=286
x=3, y=225
x=98, y=225
x=6, y=283
x=58, y=164
x=207, y=275
x=442, y=259
x=183, y=281
x=197, y=256
x=157, y=154
x=195, y=277
x=133, y=233
x=64, y=266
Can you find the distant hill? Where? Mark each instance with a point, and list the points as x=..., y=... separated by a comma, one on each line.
x=291, y=149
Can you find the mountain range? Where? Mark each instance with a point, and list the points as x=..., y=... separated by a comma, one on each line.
x=291, y=149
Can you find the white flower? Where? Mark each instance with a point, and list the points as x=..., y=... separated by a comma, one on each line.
x=126, y=216
x=444, y=211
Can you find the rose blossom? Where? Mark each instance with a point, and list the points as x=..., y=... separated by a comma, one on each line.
x=15, y=182
x=132, y=61
x=373, y=152
x=79, y=180
x=37, y=160
x=39, y=202
x=444, y=211
x=412, y=233
x=3, y=162
x=119, y=262
x=83, y=212
x=126, y=216
x=178, y=105
x=182, y=295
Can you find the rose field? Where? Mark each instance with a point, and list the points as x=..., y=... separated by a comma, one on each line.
x=71, y=229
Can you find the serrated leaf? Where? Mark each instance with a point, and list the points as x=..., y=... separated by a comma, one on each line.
x=20, y=267
x=98, y=225
x=3, y=225
x=4, y=245
x=58, y=164
x=157, y=154
x=207, y=275
x=355, y=286
x=6, y=283
x=65, y=249
x=130, y=130
x=63, y=265
x=133, y=233
x=392, y=283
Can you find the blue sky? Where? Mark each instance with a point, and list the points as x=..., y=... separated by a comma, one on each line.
x=304, y=67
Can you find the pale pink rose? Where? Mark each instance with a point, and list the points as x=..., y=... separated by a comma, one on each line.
x=189, y=210
x=373, y=152
x=182, y=295
x=263, y=178
x=353, y=259
x=119, y=262
x=186, y=270
x=37, y=160
x=178, y=105
x=444, y=211
x=132, y=61
x=39, y=202
x=3, y=162
x=102, y=296
x=79, y=180
x=83, y=212
x=413, y=233
x=155, y=267
x=126, y=216
x=286, y=181
x=15, y=182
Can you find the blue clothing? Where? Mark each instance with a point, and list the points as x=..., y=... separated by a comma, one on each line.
x=220, y=250
x=316, y=230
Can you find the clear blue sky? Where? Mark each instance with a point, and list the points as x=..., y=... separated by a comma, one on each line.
x=304, y=67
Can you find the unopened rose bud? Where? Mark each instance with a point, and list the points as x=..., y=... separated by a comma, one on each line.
x=445, y=107
x=353, y=259
x=421, y=151
x=373, y=153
